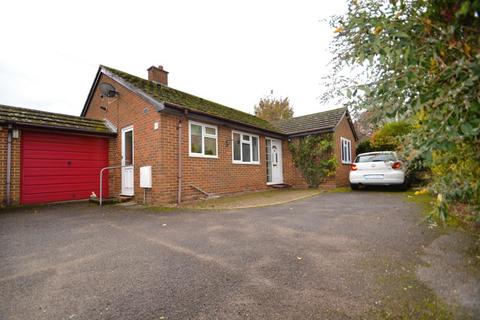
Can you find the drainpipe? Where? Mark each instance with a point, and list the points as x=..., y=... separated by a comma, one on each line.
x=179, y=195
x=9, y=165
x=180, y=171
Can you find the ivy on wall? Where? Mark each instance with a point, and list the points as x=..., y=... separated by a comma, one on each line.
x=313, y=155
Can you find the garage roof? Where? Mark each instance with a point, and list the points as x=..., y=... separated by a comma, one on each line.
x=41, y=119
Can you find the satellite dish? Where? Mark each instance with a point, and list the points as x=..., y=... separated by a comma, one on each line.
x=108, y=90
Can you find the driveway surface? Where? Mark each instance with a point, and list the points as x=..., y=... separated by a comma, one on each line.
x=334, y=256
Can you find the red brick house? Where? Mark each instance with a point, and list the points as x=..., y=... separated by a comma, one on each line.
x=196, y=145
x=193, y=147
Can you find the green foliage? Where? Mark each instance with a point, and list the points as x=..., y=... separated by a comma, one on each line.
x=391, y=135
x=365, y=146
x=420, y=62
x=313, y=155
x=272, y=109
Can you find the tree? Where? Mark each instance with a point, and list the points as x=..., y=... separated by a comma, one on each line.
x=364, y=124
x=419, y=61
x=272, y=109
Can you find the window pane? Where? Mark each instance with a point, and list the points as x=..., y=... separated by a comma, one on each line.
x=128, y=147
x=268, y=160
x=236, y=147
x=196, y=130
x=349, y=151
x=246, y=138
x=246, y=152
x=210, y=146
x=254, y=149
x=196, y=138
x=210, y=130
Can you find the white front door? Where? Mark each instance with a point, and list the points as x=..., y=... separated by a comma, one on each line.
x=127, y=161
x=274, y=161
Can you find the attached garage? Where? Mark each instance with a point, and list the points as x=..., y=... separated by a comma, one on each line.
x=51, y=157
x=60, y=167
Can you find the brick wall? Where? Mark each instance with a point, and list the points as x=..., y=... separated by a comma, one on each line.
x=219, y=175
x=15, y=168
x=3, y=165
x=343, y=170
x=159, y=148
x=122, y=111
x=291, y=174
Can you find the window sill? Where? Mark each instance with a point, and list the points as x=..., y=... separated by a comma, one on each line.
x=193, y=155
x=248, y=163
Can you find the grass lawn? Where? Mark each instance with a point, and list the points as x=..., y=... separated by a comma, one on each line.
x=252, y=199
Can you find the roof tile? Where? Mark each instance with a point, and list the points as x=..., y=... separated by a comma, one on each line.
x=30, y=117
x=163, y=93
x=326, y=120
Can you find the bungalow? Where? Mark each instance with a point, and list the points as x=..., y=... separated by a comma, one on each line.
x=165, y=145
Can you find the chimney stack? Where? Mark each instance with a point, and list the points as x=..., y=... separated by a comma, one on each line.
x=157, y=74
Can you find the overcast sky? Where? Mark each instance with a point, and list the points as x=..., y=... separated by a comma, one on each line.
x=230, y=52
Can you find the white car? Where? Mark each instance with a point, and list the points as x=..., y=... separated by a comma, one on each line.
x=377, y=168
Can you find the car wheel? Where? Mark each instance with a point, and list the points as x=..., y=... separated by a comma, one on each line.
x=354, y=186
x=404, y=185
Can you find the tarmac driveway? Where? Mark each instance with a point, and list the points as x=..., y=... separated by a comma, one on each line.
x=334, y=256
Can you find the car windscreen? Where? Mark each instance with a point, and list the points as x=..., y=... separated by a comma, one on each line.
x=376, y=157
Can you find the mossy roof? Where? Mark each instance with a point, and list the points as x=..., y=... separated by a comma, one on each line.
x=166, y=94
x=326, y=120
x=37, y=118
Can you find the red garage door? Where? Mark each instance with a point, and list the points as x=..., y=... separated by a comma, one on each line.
x=61, y=167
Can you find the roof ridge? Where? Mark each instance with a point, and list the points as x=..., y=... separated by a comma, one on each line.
x=310, y=114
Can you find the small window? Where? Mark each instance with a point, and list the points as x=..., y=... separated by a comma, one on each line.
x=203, y=140
x=255, y=149
x=246, y=148
x=346, y=146
x=196, y=145
x=236, y=147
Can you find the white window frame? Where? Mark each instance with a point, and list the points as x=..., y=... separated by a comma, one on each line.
x=346, y=145
x=241, y=146
x=204, y=135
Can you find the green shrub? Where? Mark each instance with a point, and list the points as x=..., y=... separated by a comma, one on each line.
x=390, y=136
x=365, y=146
x=313, y=155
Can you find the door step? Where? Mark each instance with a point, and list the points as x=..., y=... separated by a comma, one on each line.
x=122, y=199
x=280, y=186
